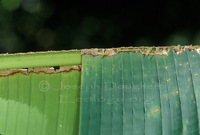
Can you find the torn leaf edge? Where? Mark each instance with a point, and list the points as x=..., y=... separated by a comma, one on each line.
x=161, y=50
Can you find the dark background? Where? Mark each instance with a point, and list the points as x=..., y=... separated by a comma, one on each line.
x=41, y=25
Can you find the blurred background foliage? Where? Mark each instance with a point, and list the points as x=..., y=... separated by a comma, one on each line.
x=40, y=25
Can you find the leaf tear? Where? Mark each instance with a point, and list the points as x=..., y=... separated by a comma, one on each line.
x=144, y=50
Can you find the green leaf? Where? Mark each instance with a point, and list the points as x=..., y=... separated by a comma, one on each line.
x=40, y=104
x=131, y=93
x=123, y=91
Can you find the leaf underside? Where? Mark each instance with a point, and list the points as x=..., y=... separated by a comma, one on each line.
x=40, y=104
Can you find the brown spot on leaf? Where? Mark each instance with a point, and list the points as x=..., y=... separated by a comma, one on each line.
x=167, y=80
x=156, y=110
x=196, y=74
x=189, y=79
x=185, y=128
